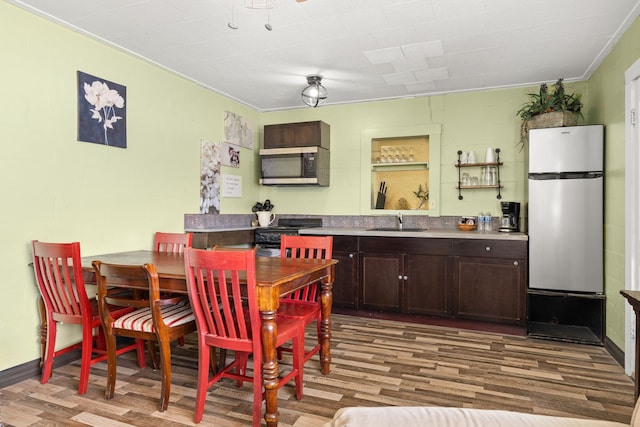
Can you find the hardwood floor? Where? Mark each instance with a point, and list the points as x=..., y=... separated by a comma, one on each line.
x=375, y=362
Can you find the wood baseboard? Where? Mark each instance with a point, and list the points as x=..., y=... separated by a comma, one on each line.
x=32, y=369
x=616, y=352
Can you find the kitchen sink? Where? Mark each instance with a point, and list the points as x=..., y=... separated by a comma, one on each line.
x=396, y=229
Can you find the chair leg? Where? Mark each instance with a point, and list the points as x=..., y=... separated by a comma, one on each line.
x=142, y=363
x=99, y=339
x=257, y=401
x=257, y=390
x=203, y=380
x=111, y=366
x=298, y=363
x=85, y=363
x=213, y=361
x=151, y=348
x=241, y=368
x=50, y=345
x=222, y=362
x=165, y=366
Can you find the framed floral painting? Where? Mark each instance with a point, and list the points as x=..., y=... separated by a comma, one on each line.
x=209, y=177
x=238, y=130
x=102, y=111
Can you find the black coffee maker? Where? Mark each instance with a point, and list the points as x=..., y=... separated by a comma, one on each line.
x=510, y=221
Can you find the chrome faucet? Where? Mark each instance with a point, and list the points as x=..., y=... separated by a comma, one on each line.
x=400, y=219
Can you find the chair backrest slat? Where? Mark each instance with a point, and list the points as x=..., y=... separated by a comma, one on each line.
x=58, y=270
x=172, y=242
x=318, y=247
x=216, y=282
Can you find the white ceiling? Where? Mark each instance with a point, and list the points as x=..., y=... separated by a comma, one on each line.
x=364, y=49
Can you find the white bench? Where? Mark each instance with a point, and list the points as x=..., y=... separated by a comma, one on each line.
x=414, y=416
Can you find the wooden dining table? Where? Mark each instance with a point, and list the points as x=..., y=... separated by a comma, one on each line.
x=275, y=277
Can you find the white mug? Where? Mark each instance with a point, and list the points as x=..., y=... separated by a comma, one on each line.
x=490, y=157
x=265, y=218
x=472, y=157
x=464, y=157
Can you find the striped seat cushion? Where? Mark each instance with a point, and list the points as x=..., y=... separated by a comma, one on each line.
x=141, y=320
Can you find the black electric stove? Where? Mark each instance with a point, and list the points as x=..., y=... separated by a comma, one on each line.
x=269, y=237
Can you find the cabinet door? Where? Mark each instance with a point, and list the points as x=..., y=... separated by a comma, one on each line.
x=304, y=134
x=381, y=278
x=426, y=289
x=311, y=134
x=346, y=284
x=278, y=136
x=491, y=289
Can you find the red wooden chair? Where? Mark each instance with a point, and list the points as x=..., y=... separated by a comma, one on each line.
x=172, y=242
x=155, y=319
x=58, y=271
x=227, y=317
x=304, y=304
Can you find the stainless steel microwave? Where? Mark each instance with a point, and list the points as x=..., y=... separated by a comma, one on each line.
x=295, y=166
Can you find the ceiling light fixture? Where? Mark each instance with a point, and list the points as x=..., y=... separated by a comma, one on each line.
x=232, y=24
x=315, y=94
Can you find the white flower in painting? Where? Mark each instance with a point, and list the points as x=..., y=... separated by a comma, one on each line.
x=209, y=178
x=105, y=101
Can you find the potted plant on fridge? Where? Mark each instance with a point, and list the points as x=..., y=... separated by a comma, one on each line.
x=550, y=107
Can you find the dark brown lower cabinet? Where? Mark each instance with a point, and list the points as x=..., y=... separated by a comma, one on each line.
x=406, y=275
x=426, y=288
x=490, y=281
x=475, y=279
x=346, y=284
x=381, y=280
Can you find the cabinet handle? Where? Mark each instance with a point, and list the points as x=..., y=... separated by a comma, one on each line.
x=488, y=249
x=516, y=263
x=350, y=255
x=405, y=277
x=400, y=277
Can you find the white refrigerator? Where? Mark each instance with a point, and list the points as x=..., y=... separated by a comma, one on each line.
x=565, y=209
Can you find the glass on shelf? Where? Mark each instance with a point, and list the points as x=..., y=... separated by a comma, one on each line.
x=384, y=157
x=411, y=157
x=377, y=157
x=485, y=179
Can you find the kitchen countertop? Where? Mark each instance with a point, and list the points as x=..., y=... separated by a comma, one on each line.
x=432, y=234
x=217, y=229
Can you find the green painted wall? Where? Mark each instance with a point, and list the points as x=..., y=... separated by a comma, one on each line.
x=57, y=189
x=606, y=105
x=111, y=199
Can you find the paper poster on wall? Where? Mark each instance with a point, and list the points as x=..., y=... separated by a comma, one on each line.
x=231, y=186
x=238, y=130
x=209, y=177
x=230, y=155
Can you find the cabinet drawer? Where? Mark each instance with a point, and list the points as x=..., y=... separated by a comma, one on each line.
x=490, y=248
x=345, y=243
x=406, y=245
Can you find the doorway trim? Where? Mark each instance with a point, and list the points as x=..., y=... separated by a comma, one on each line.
x=632, y=205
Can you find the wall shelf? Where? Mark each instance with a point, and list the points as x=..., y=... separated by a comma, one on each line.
x=401, y=166
x=497, y=164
